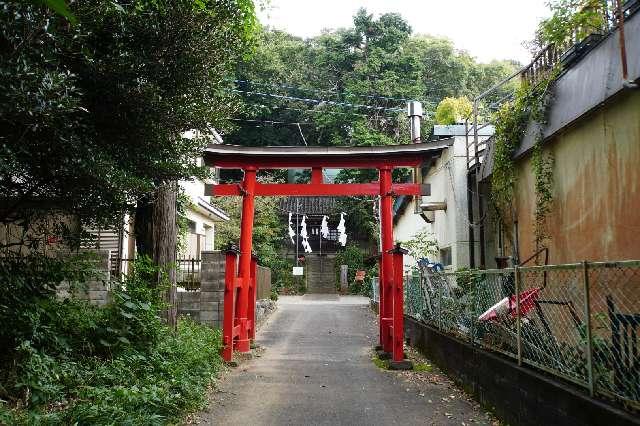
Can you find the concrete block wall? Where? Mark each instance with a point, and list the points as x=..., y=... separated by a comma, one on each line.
x=263, y=283
x=96, y=291
x=189, y=304
x=205, y=306
x=211, y=293
x=518, y=395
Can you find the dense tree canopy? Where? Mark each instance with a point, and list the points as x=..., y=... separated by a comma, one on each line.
x=91, y=114
x=350, y=86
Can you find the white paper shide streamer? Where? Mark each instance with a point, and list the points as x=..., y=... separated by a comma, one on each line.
x=324, y=228
x=291, y=232
x=342, y=234
x=305, y=235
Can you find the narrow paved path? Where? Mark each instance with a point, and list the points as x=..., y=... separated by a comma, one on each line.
x=316, y=369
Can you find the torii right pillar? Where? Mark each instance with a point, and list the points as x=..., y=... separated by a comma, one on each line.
x=391, y=307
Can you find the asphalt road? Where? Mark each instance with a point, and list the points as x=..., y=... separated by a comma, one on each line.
x=316, y=369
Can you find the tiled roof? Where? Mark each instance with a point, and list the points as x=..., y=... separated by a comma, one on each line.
x=309, y=205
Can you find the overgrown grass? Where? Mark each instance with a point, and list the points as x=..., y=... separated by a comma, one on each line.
x=422, y=367
x=155, y=386
x=74, y=363
x=381, y=363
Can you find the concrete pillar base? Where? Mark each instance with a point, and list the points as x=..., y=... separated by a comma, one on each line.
x=383, y=354
x=401, y=365
x=243, y=345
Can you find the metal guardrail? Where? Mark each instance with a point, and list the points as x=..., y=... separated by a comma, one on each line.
x=560, y=55
x=579, y=322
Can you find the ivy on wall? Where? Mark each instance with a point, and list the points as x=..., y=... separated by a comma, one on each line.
x=542, y=164
x=530, y=104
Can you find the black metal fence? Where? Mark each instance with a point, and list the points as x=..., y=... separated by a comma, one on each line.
x=187, y=271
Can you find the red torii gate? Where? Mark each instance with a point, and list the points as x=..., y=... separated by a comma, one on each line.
x=239, y=304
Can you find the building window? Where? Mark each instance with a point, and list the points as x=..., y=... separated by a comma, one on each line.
x=445, y=256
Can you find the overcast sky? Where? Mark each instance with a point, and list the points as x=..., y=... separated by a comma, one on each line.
x=488, y=29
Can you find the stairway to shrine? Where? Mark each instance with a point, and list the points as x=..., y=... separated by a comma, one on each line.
x=321, y=274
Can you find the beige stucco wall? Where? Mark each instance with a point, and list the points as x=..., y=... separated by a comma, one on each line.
x=596, y=208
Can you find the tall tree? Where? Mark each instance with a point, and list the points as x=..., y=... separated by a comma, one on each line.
x=92, y=114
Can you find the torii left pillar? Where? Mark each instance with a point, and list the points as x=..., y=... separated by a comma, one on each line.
x=243, y=343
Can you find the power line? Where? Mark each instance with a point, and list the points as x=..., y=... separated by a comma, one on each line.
x=301, y=123
x=324, y=111
x=317, y=101
x=320, y=111
x=331, y=92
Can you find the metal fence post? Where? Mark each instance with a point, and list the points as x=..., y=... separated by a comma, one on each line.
x=474, y=310
x=587, y=314
x=518, y=319
x=439, y=307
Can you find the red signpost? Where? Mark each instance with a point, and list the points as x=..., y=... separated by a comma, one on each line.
x=240, y=290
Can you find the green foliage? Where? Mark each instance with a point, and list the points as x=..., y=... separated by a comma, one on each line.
x=58, y=6
x=570, y=22
x=382, y=364
x=466, y=281
x=354, y=258
x=543, y=171
x=92, y=115
x=375, y=56
x=26, y=285
x=422, y=245
x=115, y=365
x=153, y=386
x=423, y=367
x=511, y=121
x=453, y=110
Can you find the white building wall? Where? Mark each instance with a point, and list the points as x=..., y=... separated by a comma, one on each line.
x=408, y=225
x=203, y=219
x=450, y=227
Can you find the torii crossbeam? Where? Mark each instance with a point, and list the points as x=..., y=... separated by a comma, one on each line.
x=239, y=328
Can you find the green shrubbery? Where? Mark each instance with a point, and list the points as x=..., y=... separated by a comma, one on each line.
x=71, y=362
x=354, y=258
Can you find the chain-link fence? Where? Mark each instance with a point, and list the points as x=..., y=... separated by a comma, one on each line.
x=576, y=321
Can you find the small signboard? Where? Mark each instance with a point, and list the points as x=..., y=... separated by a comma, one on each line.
x=359, y=275
x=298, y=271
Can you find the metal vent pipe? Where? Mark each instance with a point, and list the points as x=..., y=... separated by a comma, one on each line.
x=414, y=112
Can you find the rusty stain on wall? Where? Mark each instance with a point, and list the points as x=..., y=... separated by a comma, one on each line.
x=596, y=209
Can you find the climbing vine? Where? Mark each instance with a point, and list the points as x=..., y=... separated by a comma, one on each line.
x=529, y=105
x=543, y=171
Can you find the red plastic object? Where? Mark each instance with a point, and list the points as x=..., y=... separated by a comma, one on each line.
x=508, y=305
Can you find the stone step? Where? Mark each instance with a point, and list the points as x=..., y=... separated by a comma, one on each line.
x=321, y=291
